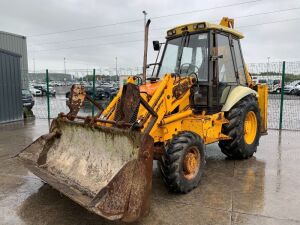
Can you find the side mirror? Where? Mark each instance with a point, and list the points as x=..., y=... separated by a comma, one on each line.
x=156, y=45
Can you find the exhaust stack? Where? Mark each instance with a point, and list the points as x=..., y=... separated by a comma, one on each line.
x=146, y=50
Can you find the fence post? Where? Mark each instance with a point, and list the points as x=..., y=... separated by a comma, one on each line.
x=47, y=94
x=94, y=90
x=282, y=95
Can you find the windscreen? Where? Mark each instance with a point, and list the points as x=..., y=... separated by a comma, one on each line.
x=186, y=55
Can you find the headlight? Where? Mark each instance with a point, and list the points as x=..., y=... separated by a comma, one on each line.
x=199, y=26
x=171, y=32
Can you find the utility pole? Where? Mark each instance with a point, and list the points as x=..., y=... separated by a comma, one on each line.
x=117, y=66
x=33, y=65
x=65, y=65
x=268, y=65
x=87, y=73
x=100, y=75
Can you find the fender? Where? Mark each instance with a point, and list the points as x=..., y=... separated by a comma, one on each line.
x=236, y=95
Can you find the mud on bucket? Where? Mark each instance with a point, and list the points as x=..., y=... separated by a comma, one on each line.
x=106, y=170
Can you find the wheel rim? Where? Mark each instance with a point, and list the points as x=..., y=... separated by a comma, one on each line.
x=191, y=163
x=250, y=127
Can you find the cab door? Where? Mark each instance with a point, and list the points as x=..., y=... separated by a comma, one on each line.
x=227, y=71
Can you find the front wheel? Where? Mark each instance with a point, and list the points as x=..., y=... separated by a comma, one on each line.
x=243, y=128
x=183, y=162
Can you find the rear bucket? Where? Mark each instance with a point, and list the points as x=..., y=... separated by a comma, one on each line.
x=106, y=170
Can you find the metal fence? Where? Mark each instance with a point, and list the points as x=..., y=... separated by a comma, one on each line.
x=51, y=88
x=284, y=103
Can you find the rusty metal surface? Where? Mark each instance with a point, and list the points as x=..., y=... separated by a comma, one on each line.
x=107, y=170
x=130, y=188
x=128, y=106
x=76, y=99
x=181, y=88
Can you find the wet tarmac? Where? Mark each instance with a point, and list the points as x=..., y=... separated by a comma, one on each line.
x=262, y=190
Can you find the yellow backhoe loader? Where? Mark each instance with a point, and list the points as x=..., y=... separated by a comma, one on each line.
x=199, y=93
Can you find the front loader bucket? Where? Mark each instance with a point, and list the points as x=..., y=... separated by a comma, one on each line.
x=107, y=170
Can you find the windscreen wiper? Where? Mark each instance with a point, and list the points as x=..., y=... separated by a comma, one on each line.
x=184, y=42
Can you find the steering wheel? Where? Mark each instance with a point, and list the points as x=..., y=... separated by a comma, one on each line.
x=188, y=65
x=194, y=73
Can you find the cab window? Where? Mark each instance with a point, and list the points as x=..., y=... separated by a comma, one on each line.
x=225, y=63
x=187, y=59
x=239, y=62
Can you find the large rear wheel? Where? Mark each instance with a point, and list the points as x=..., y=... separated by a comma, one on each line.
x=243, y=128
x=183, y=163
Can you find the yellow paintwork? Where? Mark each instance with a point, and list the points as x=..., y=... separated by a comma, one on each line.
x=262, y=90
x=248, y=77
x=227, y=22
x=169, y=124
x=173, y=107
x=208, y=127
x=250, y=127
x=191, y=27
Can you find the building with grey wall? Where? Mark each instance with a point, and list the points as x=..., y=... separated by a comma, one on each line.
x=10, y=87
x=17, y=44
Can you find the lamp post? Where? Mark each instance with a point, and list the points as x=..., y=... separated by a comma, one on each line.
x=33, y=65
x=268, y=66
x=65, y=66
x=117, y=66
x=145, y=17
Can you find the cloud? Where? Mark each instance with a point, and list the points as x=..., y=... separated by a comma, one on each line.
x=31, y=17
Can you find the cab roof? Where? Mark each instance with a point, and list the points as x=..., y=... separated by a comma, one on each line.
x=201, y=26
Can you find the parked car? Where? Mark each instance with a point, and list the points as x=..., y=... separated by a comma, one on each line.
x=53, y=83
x=43, y=89
x=297, y=90
x=35, y=92
x=274, y=85
x=291, y=88
x=27, y=98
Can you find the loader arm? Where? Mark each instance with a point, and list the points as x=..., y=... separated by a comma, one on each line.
x=171, y=94
x=171, y=103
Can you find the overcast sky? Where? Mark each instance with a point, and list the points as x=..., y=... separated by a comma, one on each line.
x=275, y=35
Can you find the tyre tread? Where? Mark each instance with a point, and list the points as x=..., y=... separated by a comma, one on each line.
x=234, y=148
x=171, y=161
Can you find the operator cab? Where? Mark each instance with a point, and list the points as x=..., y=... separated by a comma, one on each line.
x=209, y=52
